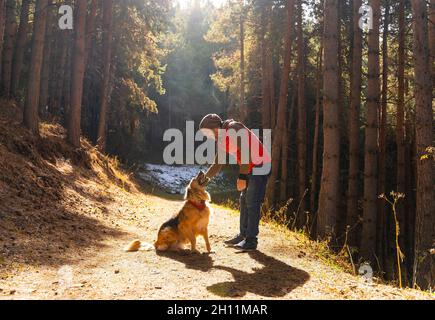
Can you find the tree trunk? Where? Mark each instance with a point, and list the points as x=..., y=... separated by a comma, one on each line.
x=20, y=47
x=243, y=107
x=328, y=197
x=265, y=91
x=285, y=155
x=400, y=121
x=31, y=119
x=316, y=131
x=368, y=241
x=8, y=46
x=354, y=128
x=2, y=33
x=90, y=29
x=78, y=75
x=107, y=56
x=432, y=37
x=45, y=76
x=424, y=264
x=382, y=243
x=282, y=105
x=302, y=114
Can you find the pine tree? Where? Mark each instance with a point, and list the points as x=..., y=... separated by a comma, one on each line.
x=370, y=216
x=107, y=59
x=78, y=66
x=424, y=264
x=31, y=119
x=328, y=197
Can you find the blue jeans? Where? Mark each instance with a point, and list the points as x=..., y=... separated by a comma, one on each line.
x=250, y=207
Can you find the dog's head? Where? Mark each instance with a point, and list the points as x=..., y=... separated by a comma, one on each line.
x=196, y=188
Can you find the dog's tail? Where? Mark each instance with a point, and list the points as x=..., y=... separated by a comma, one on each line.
x=137, y=245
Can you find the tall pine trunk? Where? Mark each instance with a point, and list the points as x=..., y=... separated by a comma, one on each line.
x=265, y=91
x=424, y=264
x=45, y=75
x=382, y=243
x=31, y=119
x=432, y=37
x=243, y=107
x=328, y=197
x=90, y=29
x=302, y=114
x=20, y=46
x=370, y=216
x=78, y=74
x=354, y=127
x=107, y=57
x=282, y=106
x=2, y=33
x=318, y=111
x=400, y=122
x=8, y=46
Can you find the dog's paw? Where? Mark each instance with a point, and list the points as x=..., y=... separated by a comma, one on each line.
x=195, y=251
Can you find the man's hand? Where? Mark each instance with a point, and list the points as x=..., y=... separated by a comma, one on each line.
x=241, y=185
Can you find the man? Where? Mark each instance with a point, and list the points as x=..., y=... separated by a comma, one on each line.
x=234, y=138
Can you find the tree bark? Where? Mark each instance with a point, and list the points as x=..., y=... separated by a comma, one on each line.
x=243, y=107
x=78, y=66
x=400, y=123
x=318, y=111
x=90, y=29
x=265, y=91
x=432, y=37
x=354, y=127
x=45, y=75
x=31, y=119
x=282, y=106
x=302, y=114
x=20, y=46
x=8, y=46
x=368, y=241
x=2, y=33
x=328, y=197
x=107, y=57
x=424, y=264
x=285, y=155
x=382, y=243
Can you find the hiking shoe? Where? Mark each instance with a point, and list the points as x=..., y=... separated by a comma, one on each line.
x=239, y=238
x=246, y=246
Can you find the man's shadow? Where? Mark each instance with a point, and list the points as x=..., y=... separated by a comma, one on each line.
x=275, y=279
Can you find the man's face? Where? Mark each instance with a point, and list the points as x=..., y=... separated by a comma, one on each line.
x=210, y=134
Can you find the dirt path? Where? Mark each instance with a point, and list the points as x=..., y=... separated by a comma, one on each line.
x=282, y=269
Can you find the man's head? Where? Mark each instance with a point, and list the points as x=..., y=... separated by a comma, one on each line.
x=210, y=126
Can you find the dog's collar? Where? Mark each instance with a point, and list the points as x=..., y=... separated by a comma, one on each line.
x=200, y=205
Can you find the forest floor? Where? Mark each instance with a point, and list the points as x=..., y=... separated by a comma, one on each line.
x=66, y=216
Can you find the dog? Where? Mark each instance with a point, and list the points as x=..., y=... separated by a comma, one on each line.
x=190, y=222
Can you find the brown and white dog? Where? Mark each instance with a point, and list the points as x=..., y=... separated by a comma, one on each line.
x=190, y=222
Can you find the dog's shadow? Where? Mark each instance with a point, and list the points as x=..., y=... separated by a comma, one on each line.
x=200, y=262
x=275, y=279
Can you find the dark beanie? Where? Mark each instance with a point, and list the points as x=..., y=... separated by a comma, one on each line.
x=211, y=121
